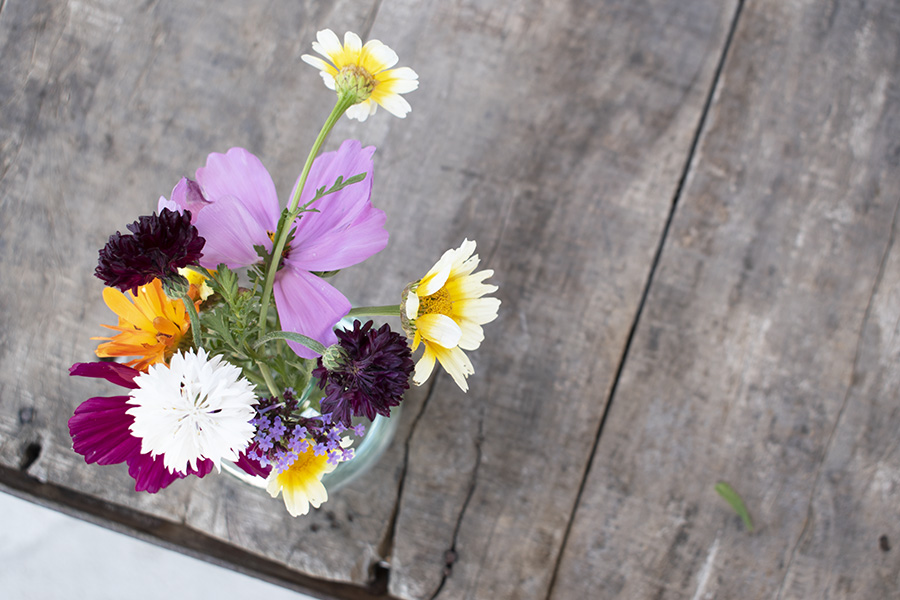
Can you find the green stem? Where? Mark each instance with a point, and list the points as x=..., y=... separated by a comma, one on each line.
x=195, y=319
x=267, y=375
x=339, y=109
x=392, y=310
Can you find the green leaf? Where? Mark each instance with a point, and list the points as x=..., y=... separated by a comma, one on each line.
x=290, y=336
x=737, y=503
x=339, y=184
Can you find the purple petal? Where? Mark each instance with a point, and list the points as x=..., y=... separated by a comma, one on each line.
x=308, y=305
x=231, y=231
x=347, y=229
x=186, y=195
x=343, y=246
x=110, y=371
x=100, y=431
x=251, y=466
x=151, y=475
x=240, y=174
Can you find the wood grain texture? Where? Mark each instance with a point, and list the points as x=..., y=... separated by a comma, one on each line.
x=562, y=130
x=766, y=353
x=556, y=134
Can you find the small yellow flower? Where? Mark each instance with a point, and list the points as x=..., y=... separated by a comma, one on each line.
x=300, y=485
x=198, y=283
x=364, y=73
x=151, y=326
x=445, y=311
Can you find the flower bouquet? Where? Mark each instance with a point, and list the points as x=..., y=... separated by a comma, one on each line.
x=232, y=346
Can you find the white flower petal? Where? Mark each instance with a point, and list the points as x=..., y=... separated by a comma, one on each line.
x=196, y=408
x=412, y=305
x=377, y=57
x=457, y=364
x=472, y=335
x=424, y=367
x=479, y=310
x=352, y=43
x=327, y=44
x=403, y=73
x=360, y=111
x=396, y=105
x=316, y=62
x=437, y=275
x=398, y=86
x=439, y=329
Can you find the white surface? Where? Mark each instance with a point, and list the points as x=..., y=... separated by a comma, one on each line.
x=46, y=555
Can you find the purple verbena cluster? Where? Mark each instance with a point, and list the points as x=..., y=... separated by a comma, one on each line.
x=281, y=435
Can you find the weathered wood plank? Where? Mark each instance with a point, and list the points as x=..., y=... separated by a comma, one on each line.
x=555, y=134
x=105, y=106
x=756, y=359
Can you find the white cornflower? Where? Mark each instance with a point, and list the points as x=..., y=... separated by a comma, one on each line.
x=196, y=408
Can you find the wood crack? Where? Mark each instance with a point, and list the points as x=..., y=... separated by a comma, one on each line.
x=451, y=554
x=366, y=30
x=837, y=422
x=386, y=547
x=688, y=163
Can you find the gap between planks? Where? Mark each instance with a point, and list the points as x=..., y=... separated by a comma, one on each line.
x=688, y=164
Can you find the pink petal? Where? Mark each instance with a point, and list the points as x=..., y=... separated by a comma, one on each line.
x=231, y=231
x=99, y=430
x=186, y=195
x=342, y=246
x=347, y=229
x=110, y=371
x=240, y=174
x=252, y=466
x=308, y=305
x=151, y=475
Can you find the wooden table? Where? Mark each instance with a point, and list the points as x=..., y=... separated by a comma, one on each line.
x=691, y=209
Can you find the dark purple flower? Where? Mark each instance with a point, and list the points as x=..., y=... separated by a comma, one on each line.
x=365, y=374
x=100, y=430
x=156, y=248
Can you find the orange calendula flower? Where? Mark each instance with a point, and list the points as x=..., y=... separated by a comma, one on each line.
x=151, y=326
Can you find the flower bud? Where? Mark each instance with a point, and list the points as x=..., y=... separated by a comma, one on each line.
x=355, y=83
x=334, y=357
x=176, y=286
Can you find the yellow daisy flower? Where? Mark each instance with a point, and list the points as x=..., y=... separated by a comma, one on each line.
x=445, y=311
x=364, y=72
x=300, y=485
x=151, y=326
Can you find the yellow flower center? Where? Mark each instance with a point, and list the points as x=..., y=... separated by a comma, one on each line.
x=437, y=303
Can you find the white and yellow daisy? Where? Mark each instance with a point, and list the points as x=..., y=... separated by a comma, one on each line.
x=445, y=310
x=364, y=72
x=301, y=483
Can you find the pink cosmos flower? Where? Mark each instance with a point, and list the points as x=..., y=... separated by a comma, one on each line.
x=234, y=205
x=101, y=432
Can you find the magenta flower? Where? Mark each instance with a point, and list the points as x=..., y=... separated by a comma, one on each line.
x=100, y=431
x=235, y=207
